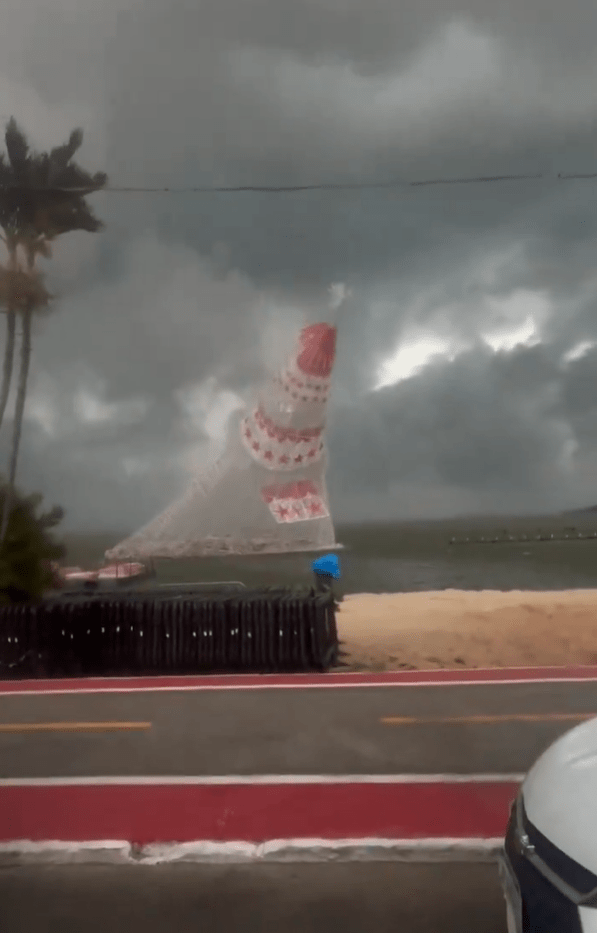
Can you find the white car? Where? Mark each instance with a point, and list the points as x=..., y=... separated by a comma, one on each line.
x=549, y=866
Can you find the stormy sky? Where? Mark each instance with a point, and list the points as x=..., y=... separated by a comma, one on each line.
x=467, y=349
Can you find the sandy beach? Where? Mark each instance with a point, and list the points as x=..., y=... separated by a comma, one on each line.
x=455, y=628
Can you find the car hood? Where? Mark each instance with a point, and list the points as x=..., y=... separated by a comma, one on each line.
x=560, y=794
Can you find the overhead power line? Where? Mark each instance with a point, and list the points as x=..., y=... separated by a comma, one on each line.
x=290, y=189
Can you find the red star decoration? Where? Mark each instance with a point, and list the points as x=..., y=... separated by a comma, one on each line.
x=299, y=459
x=282, y=512
x=247, y=433
x=305, y=398
x=284, y=459
x=315, y=508
x=255, y=445
x=268, y=455
x=312, y=452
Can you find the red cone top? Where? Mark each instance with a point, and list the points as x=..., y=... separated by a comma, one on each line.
x=318, y=350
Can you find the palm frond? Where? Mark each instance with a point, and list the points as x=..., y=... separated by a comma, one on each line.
x=61, y=156
x=5, y=171
x=65, y=214
x=17, y=147
x=73, y=176
x=34, y=197
x=40, y=171
x=51, y=518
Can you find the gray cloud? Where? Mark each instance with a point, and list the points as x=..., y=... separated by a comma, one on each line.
x=181, y=289
x=494, y=424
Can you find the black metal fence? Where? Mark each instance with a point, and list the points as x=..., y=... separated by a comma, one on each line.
x=154, y=632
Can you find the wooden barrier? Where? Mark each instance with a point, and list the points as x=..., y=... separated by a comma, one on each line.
x=180, y=632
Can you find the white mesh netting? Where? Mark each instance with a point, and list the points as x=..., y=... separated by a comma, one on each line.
x=267, y=493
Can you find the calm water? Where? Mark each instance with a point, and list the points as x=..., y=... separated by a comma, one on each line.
x=401, y=557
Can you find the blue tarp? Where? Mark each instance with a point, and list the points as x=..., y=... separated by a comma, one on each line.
x=327, y=566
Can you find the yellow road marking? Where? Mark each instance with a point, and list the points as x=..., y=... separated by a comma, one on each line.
x=486, y=720
x=72, y=726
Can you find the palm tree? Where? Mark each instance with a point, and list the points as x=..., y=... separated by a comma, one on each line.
x=28, y=556
x=42, y=196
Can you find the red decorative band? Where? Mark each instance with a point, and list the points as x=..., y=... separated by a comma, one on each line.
x=279, y=433
x=297, y=490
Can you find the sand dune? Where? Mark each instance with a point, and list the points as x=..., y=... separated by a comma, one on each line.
x=455, y=628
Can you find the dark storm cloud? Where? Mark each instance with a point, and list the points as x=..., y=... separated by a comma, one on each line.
x=156, y=325
x=90, y=484
x=495, y=424
x=180, y=287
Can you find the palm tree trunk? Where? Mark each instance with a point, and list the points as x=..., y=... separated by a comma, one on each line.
x=9, y=350
x=9, y=353
x=18, y=420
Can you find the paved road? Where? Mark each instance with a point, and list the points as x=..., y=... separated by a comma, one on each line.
x=333, y=898
x=290, y=731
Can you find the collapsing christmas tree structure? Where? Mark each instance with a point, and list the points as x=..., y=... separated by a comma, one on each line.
x=267, y=493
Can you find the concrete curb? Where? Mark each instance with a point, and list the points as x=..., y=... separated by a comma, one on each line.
x=103, y=852
x=108, y=852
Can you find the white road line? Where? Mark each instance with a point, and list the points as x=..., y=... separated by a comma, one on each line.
x=252, y=779
x=333, y=686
